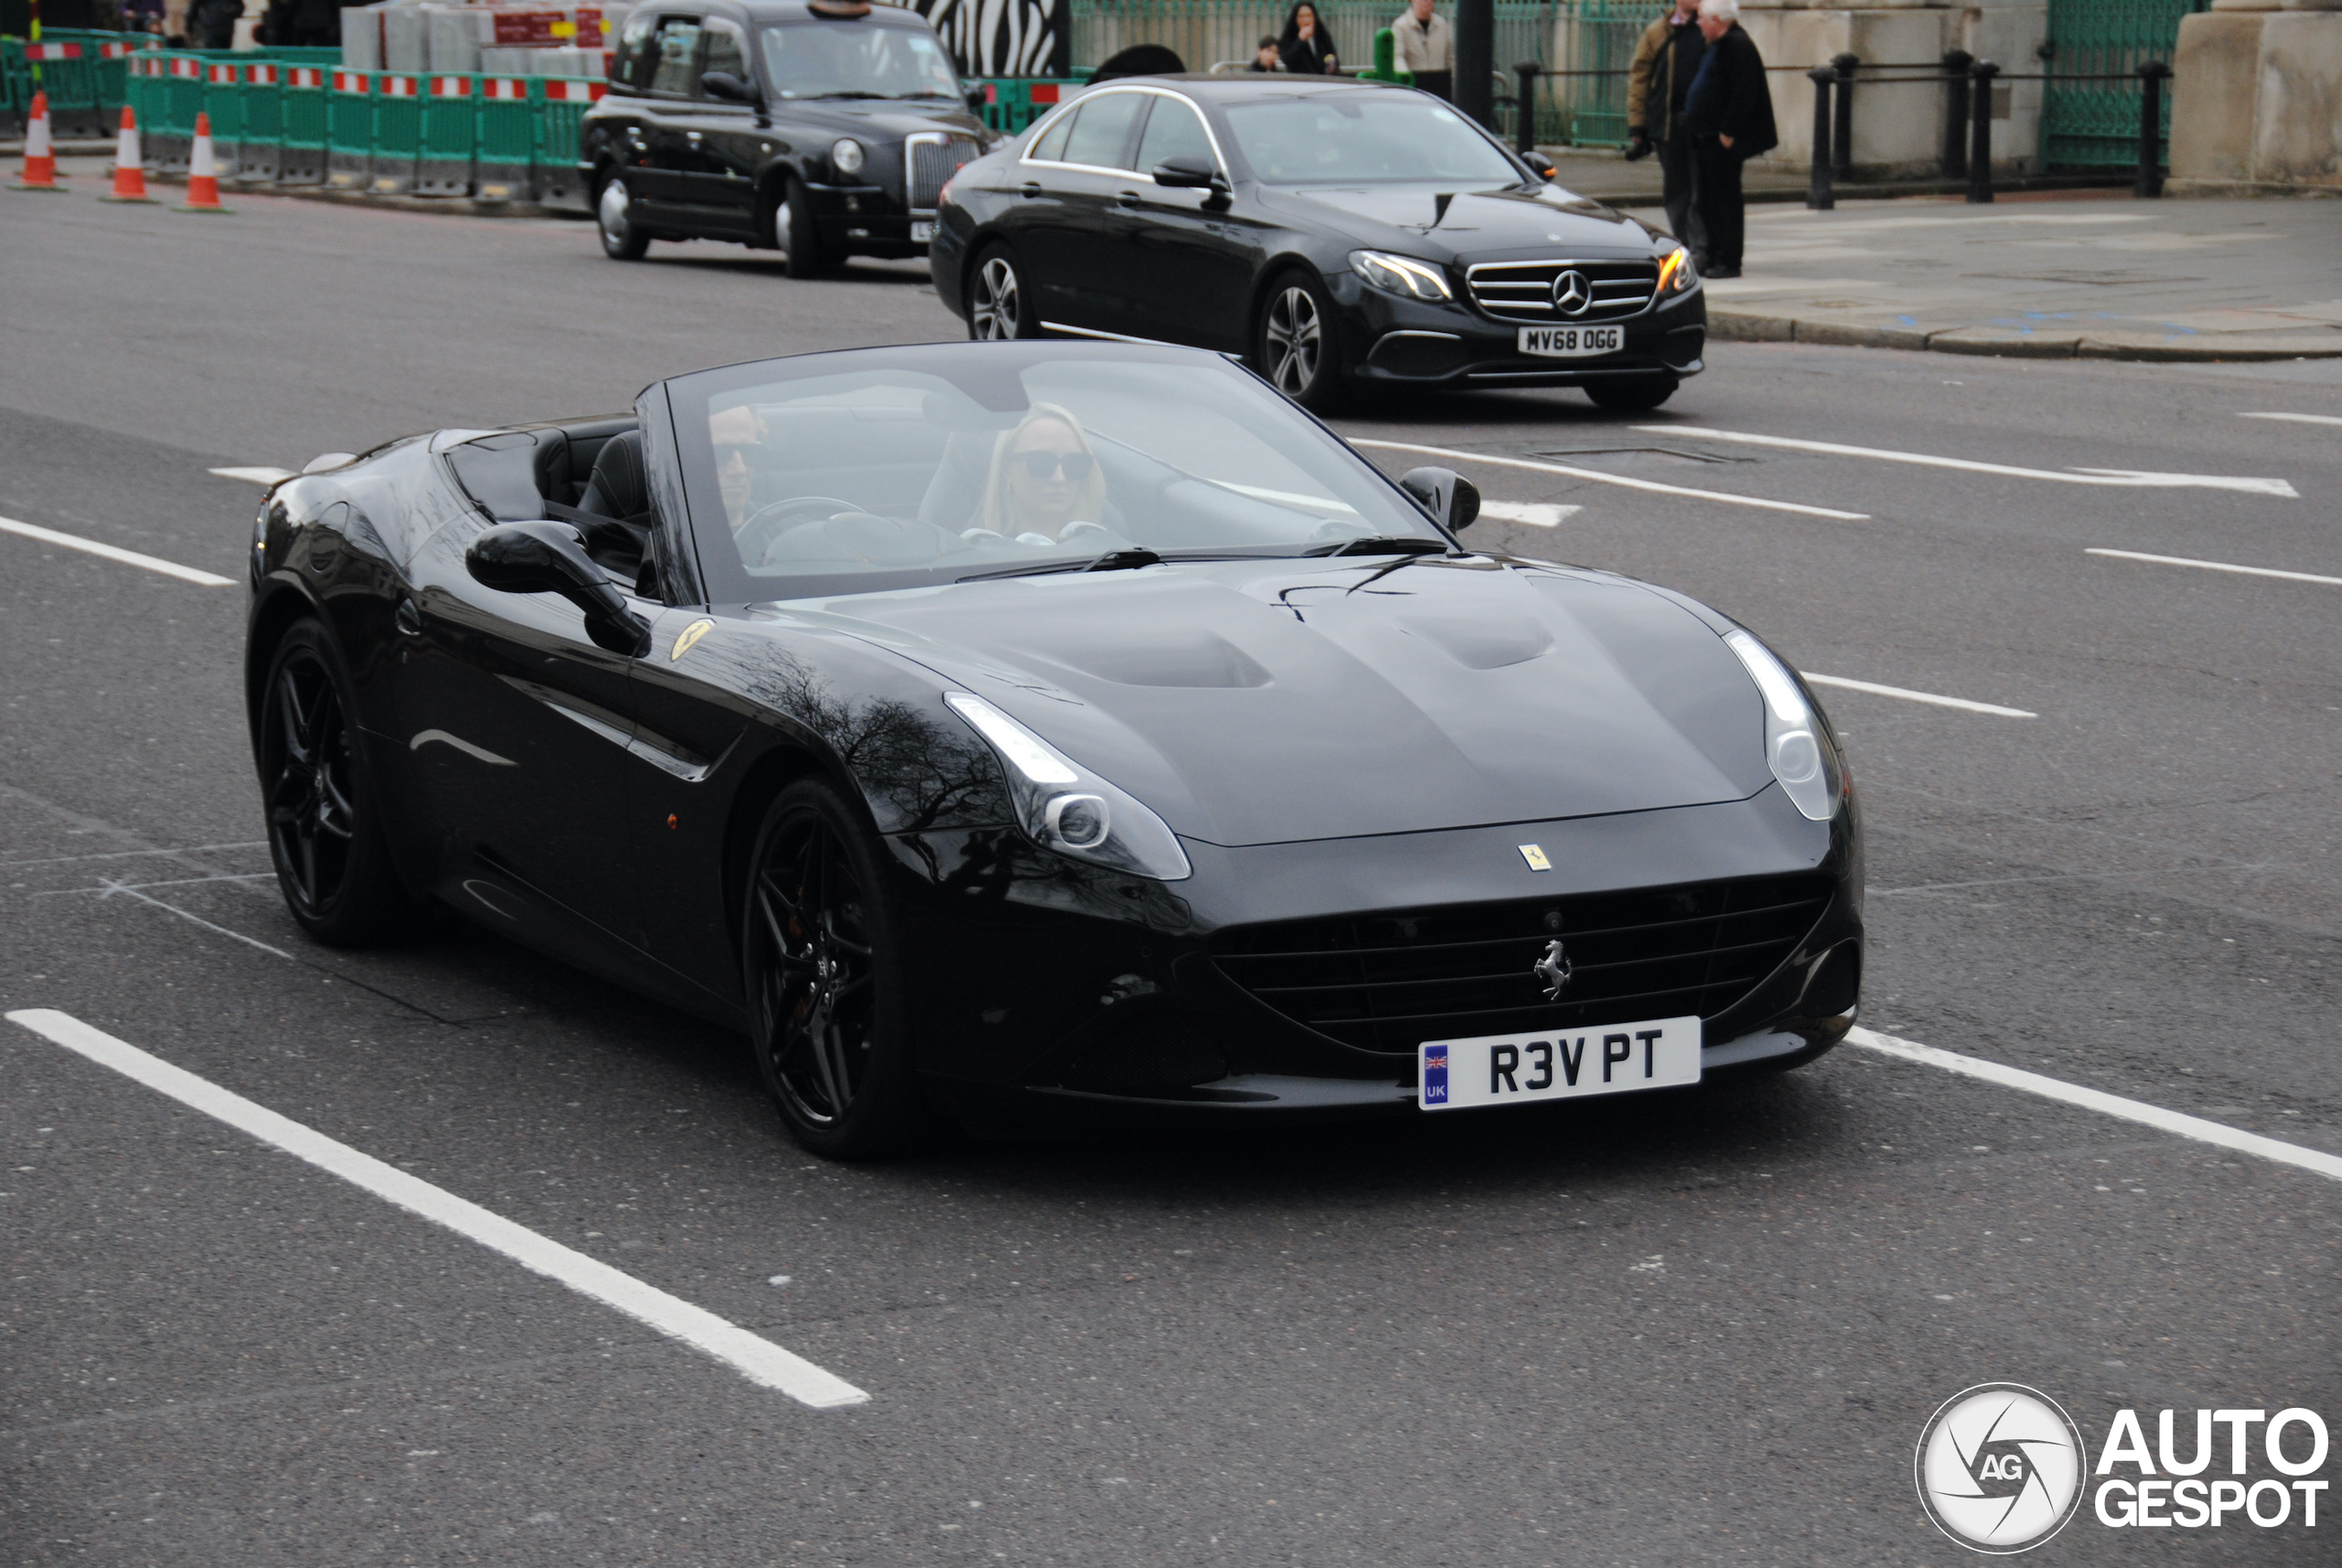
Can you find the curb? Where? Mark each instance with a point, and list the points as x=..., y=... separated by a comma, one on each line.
x=1731, y=327
x=451, y=206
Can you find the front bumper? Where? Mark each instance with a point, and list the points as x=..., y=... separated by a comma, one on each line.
x=865, y=219
x=1393, y=342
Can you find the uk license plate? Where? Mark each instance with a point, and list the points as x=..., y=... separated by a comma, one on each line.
x=922, y=232
x=1570, y=342
x=1573, y=1064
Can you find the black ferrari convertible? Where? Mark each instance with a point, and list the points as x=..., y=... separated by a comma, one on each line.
x=1006, y=731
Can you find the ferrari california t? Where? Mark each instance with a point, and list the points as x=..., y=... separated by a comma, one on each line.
x=1004, y=732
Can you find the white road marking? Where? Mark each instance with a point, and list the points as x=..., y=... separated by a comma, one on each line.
x=123, y=887
x=2185, y=1126
x=262, y=477
x=1536, y=514
x=1910, y=697
x=759, y=1361
x=2121, y=478
x=115, y=553
x=109, y=888
x=128, y=854
x=2298, y=418
x=1620, y=480
x=2215, y=567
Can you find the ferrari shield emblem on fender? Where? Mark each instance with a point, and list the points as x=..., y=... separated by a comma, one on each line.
x=1553, y=969
x=1535, y=855
x=689, y=636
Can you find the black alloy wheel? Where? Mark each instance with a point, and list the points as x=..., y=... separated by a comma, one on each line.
x=331, y=861
x=825, y=998
x=1295, y=347
x=998, y=305
x=623, y=239
x=797, y=231
x=1633, y=394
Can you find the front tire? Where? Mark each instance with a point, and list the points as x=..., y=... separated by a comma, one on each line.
x=999, y=304
x=800, y=233
x=1295, y=345
x=1638, y=394
x=828, y=1009
x=325, y=830
x=623, y=239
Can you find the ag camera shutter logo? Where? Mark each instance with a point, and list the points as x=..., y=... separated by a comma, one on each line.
x=2000, y=1468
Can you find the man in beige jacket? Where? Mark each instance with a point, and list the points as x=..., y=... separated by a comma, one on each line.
x=1427, y=47
x=1665, y=59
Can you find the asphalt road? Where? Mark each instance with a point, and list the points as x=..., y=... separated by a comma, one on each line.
x=1701, y=1327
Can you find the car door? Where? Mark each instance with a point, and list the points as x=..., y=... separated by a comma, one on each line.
x=1067, y=230
x=661, y=180
x=1186, y=255
x=719, y=154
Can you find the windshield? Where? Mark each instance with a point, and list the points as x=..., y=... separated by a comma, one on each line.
x=855, y=59
x=1375, y=137
x=809, y=478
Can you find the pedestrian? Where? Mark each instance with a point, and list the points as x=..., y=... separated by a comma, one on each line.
x=1265, y=57
x=1304, y=48
x=212, y=23
x=1427, y=49
x=142, y=16
x=1665, y=59
x=1729, y=112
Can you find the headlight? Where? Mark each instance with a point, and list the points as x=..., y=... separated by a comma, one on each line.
x=846, y=153
x=1676, y=272
x=1401, y=275
x=1066, y=808
x=1794, y=744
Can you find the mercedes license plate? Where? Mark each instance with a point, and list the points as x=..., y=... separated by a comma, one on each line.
x=1569, y=342
x=922, y=232
x=1513, y=1069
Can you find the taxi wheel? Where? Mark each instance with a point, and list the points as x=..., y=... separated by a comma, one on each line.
x=1295, y=344
x=824, y=972
x=622, y=239
x=800, y=235
x=1632, y=396
x=998, y=302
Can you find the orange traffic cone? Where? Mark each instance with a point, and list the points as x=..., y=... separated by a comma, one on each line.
x=41, y=154
x=129, y=166
x=202, y=173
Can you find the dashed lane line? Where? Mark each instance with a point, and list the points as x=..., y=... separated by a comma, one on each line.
x=115, y=553
x=2315, y=1161
x=2215, y=567
x=758, y=1360
x=1995, y=709
x=1623, y=480
x=2122, y=479
x=1536, y=514
x=2298, y=418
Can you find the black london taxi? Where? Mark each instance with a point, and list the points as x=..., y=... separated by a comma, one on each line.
x=824, y=129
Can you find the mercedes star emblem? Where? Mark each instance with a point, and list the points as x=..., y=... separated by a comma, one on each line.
x=1572, y=293
x=1553, y=969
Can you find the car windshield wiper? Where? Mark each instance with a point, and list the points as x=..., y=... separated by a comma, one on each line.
x=1392, y=546
x=851, y=92
x=1112, y=561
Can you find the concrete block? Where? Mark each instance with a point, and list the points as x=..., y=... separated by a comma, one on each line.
x=2297, y=123
x=2216, y=75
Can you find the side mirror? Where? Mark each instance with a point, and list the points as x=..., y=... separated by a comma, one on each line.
x=1448, y=495
x=979, y=99
x=724, y=85
x=1190, y=171
x=550, y=558
x=1542, y=164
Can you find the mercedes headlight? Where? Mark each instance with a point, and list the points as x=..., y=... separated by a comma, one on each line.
x=1401, y=275
x=846, y=153
x=1676, y=272
x=1066, y=808
x=1794, y=743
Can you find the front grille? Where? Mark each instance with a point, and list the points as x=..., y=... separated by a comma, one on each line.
x=1389, y=982
x=935, y=157
x=1523, y=291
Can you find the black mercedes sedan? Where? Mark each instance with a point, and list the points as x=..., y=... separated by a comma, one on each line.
x=1342, y=235
x=1004, y=732
x=823, y=129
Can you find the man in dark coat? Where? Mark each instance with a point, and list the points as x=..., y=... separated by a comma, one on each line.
x=1665, y=59
x=1729, y=112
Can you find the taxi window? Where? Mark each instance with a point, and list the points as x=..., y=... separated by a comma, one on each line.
x=1102, y=130
x=633, y=67
x=1172, y=131
x=727, y=49
x=674, y=55
x=1052, y=146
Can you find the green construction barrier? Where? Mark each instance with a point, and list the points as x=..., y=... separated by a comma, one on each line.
x=449, y=135
x=223, y=104
x=172, y=138
x=349, y=130
x=66, y=70
x=15, y=82
x=560, y=110
x=261, y=149
x=1013, y=103
x=301, y=139
x=505, y=155
x=398, y=131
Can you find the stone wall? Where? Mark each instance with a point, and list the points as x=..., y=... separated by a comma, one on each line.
x=2256, y=99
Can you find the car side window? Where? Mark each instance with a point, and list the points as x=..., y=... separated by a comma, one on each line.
x=632, y=64
x=1052, y=146
x=727, y=51
x=1172, y=131
x=674, y=55
x=1101, y=132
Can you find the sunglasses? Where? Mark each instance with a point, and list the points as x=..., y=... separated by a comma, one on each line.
x=1075, y=466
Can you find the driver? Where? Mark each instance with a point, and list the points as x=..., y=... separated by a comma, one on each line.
x=1044, y=482
x=734, y=431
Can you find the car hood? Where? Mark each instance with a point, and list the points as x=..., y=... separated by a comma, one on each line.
x=880, y=120
x=1408, y=218
x=1271, y=702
